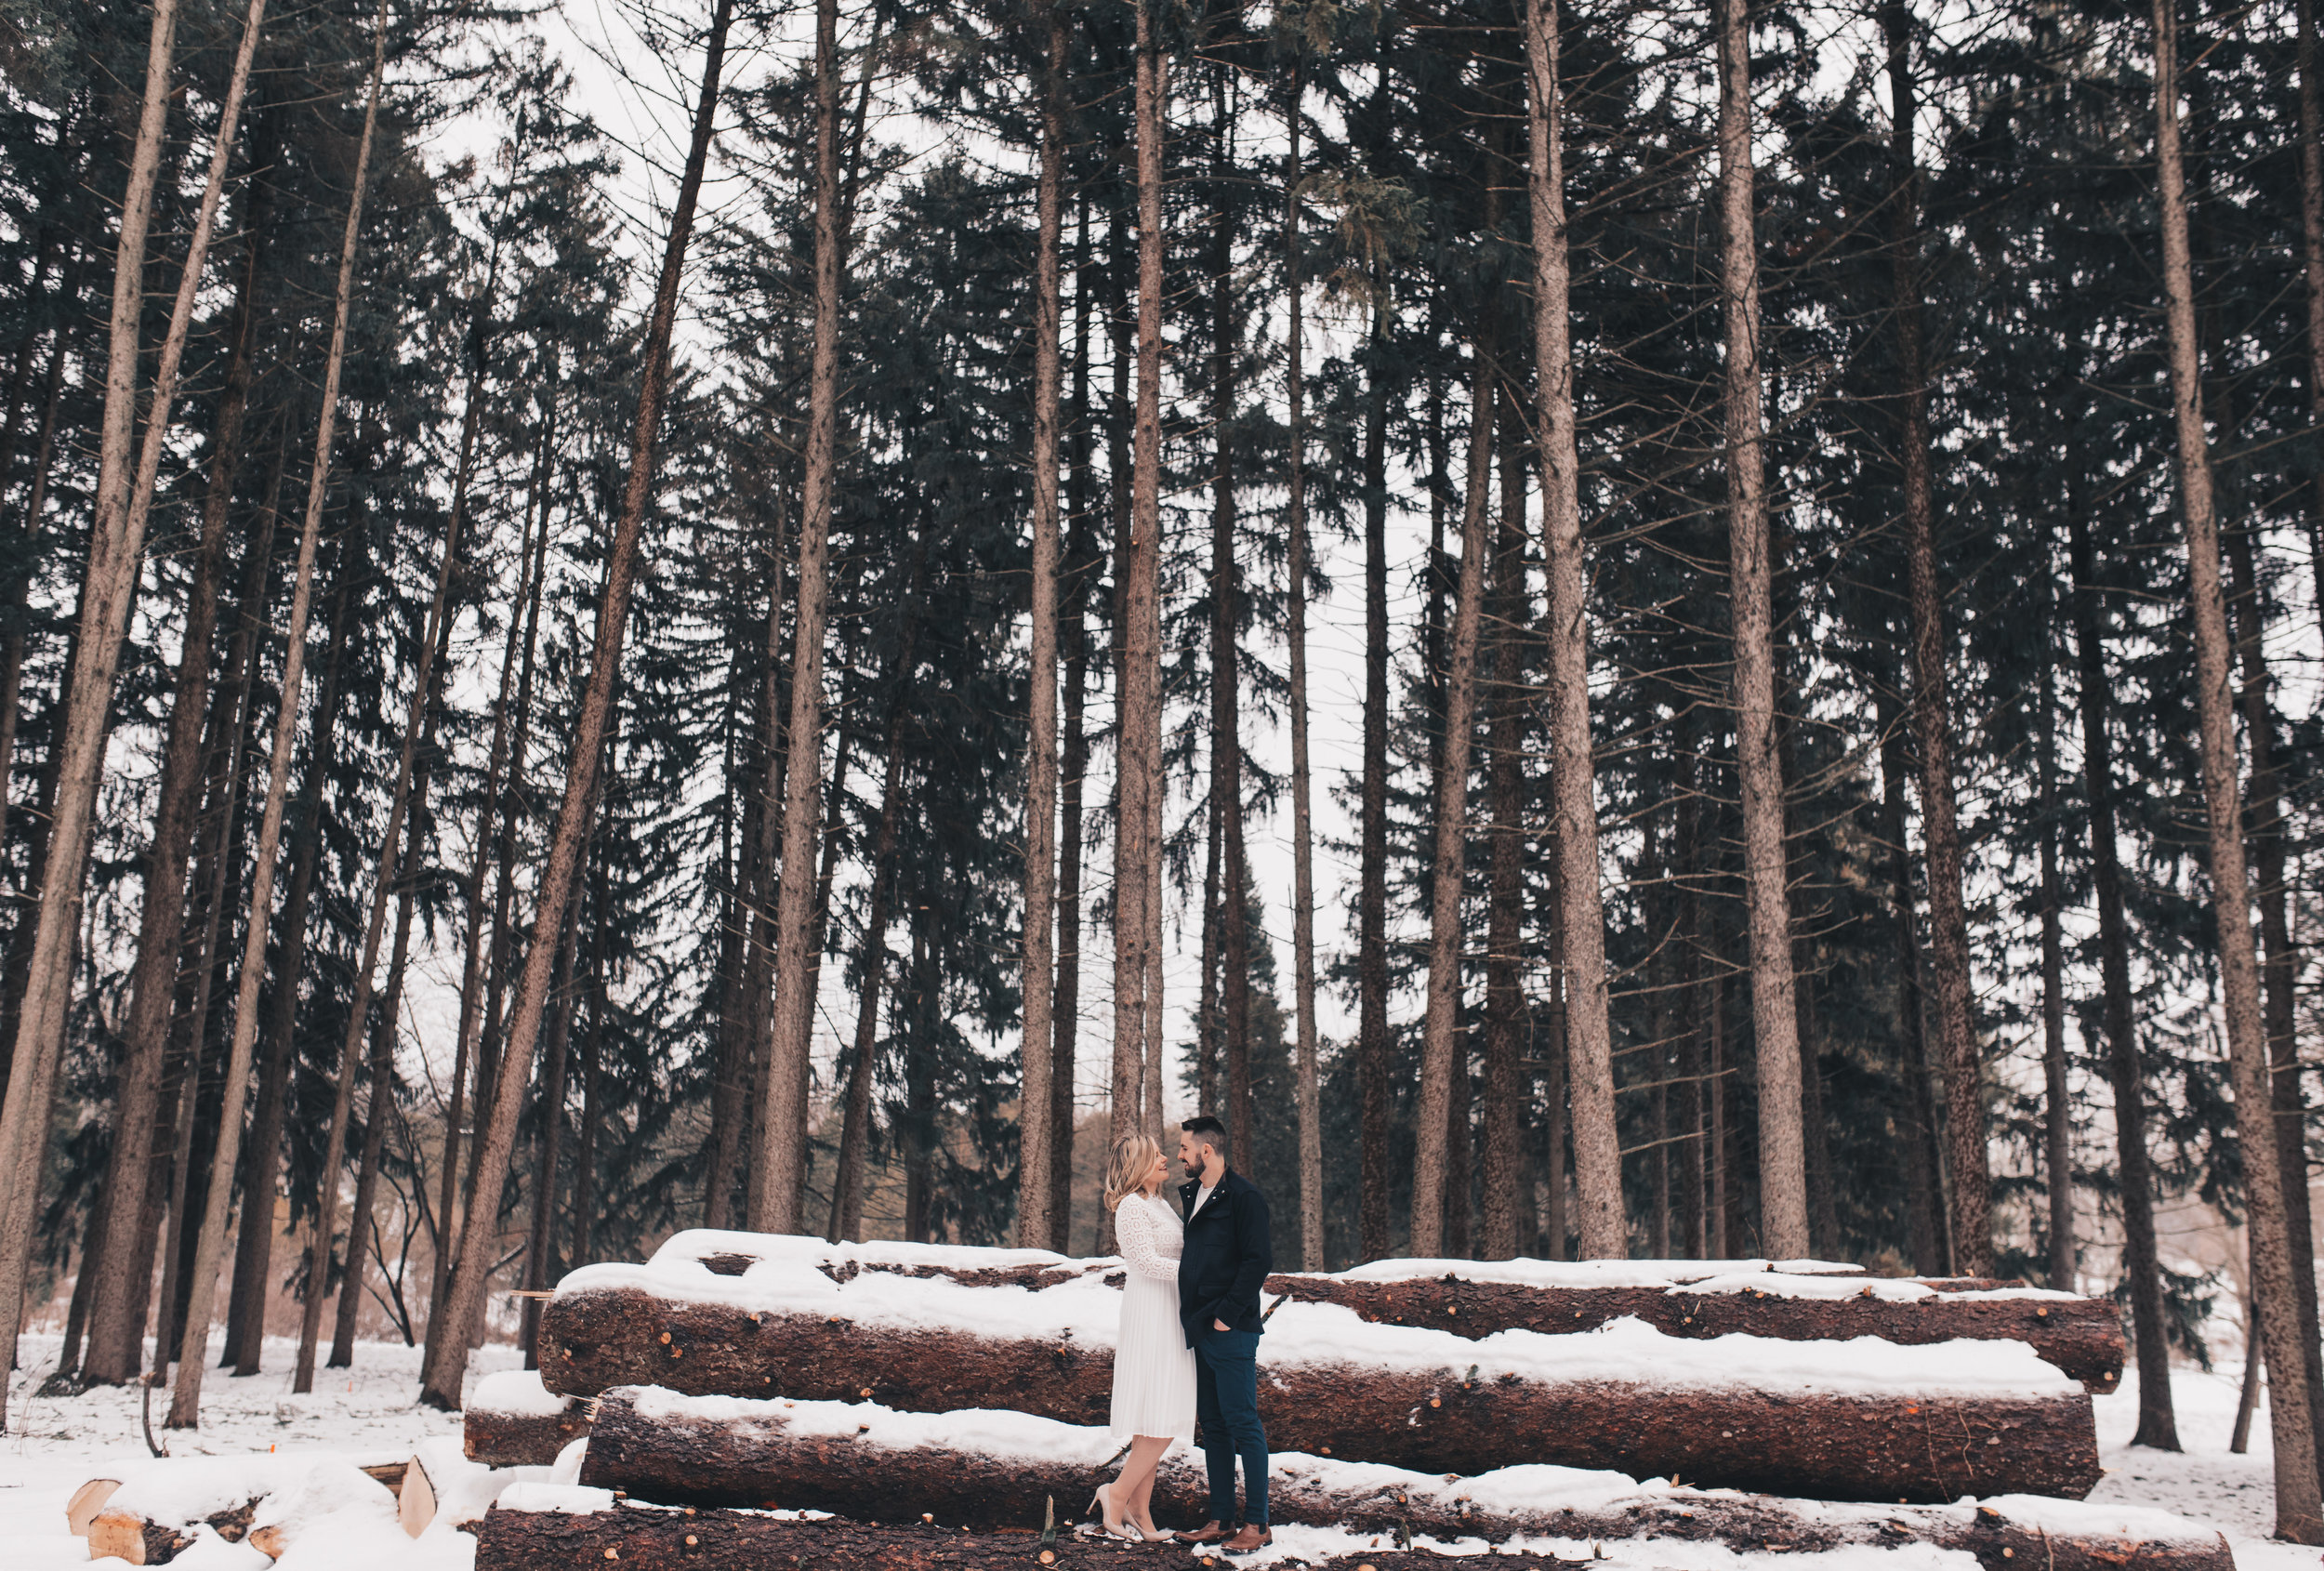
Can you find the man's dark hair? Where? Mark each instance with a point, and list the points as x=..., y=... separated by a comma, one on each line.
x=1207, y=1131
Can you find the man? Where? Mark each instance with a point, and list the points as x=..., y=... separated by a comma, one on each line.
x=1227, y=1256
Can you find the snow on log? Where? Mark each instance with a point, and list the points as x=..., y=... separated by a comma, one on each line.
x=2082, y=1337
x=1803, y=1301
x=1856, y=1419
x=165, y=1507
x=1551, y=1516
x=511, y=1421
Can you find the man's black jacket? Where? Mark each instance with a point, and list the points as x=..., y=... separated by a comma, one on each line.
x=1228, y=1255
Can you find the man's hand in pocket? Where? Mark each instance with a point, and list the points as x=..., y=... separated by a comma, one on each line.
x=1221, y=1325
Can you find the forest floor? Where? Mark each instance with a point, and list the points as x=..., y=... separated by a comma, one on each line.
x=369, y=1414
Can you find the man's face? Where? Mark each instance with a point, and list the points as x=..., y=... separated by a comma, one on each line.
x=1190, y=1155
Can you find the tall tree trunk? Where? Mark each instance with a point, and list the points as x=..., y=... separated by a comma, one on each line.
x=540, y=1245
x=2311, y=123
x=775, y=1200
x=1295, y=631
x=847, y=1206
x=1948, y=978
x=441, y=1381
x=254, y=1247
x=1690, y=1156
x=1589, y=1041
x=1081, y=566
x=1137, y=853
x=2157, y=1423
x=1774, y=1019
x=216, y=874
x=2299, y=1510
x=116, y=549
x=1207, y=1033
x=1508, y=1084
x=1376, y=1162
x=2058, y=1106
x=849, y=1180
x=1440, y=1057
x=185, y=1404
x=1037, y=1132
x=1122, y=1085
x=123, y=1258
x=1226, y=673
x=523, y=613
x=2279, y=967
x=919, y=1087
x=1923, y=1161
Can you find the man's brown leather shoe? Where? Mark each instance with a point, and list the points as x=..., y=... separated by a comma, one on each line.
x=1208, y=1533
x=1254, y=1536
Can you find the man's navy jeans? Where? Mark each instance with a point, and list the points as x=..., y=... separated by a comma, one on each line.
x=1226, y=1401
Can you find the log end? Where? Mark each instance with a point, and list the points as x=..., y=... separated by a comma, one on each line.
x=86, y=1502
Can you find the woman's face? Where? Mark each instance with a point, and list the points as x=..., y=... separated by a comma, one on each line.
x=1156, y=1174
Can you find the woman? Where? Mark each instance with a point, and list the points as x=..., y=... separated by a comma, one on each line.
x=1154, y=1371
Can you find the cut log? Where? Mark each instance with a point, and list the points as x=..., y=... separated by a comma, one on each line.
x=1858, y=1419
x=86, y=1502
x=1796, y=1301
x=157, y=1511
x=2082, y=1337
x=416, y=1504
x=537, y=1530
x=510, y=1420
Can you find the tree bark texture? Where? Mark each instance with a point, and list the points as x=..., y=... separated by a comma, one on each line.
x=1947, y=976
x=123, y=1258
x=2299, y=1508
x=2279, y=960
x=1775, y=1021
x=116, y=549
x=1295, y=634
x=1589, y=1037
x=2058, y=1095
x=1036, y=1151
x=443, y=1378
x=1435, y=1181
x=1371, y=945
x=1136, y=852
x=776, y=1196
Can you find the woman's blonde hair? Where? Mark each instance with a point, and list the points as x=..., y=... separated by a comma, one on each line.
x=1126, y=1174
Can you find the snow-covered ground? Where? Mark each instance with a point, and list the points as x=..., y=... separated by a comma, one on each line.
x=369, y=1414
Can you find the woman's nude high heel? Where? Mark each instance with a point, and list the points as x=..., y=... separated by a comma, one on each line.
x=1101, y=1506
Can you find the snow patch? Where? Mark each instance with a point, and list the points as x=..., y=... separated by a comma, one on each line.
x=573, y=1500
x=517, y=1392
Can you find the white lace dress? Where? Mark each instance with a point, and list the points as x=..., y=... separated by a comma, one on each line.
x=1154, y=1368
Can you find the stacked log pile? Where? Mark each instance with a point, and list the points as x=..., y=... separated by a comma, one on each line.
x=938, y=1330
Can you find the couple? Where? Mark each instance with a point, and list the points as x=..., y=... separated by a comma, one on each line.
x=1189, y=1342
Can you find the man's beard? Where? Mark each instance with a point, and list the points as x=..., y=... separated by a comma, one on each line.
x=1194, y=1169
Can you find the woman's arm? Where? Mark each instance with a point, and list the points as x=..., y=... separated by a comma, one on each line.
x=1133, y=1229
